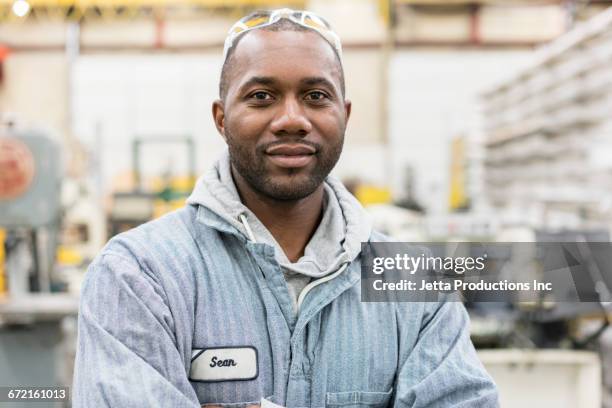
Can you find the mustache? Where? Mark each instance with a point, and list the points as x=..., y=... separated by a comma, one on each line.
x=264, y=147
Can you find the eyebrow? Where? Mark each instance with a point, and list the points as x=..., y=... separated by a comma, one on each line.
x=270, y=81
x=258, y=80
x=312, y=81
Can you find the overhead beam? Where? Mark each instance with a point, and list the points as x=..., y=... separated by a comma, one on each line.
x=80, y=10
x=155, y=3
x=475, y=2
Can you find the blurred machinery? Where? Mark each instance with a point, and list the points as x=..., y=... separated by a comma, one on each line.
x=554, y=342
x=553, y=320
x=29, y=209
x=83, y=231
x=32, y=306
x=144, y=203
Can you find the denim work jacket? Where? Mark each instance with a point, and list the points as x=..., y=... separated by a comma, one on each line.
x=185, y=311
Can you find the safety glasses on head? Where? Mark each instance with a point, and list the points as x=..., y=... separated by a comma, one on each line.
x=265, y=18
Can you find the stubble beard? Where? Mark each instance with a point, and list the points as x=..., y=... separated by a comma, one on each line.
x=251, y=166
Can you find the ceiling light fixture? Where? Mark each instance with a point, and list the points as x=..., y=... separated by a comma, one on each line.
x=21, y=8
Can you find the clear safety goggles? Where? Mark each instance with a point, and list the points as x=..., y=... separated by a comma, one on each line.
x=265, y=18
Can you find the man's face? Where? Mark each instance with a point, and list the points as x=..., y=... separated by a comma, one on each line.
x=284, y=115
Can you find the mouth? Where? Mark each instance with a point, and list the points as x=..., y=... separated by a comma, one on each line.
x=291, y=156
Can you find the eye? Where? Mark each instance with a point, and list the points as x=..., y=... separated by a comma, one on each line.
x=316, y=96
x=261, y=96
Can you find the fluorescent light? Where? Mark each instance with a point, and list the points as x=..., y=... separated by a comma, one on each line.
x=21, y=8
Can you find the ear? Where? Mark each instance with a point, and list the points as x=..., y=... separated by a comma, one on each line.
x=218, y=112
x=348, y=105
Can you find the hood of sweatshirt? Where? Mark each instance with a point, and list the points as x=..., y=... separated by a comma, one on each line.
x=336, y=241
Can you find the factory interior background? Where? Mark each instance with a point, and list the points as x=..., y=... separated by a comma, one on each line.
x=473, y=120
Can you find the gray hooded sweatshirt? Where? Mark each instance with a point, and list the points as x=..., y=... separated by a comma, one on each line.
x=337, y=240
x=189, y=310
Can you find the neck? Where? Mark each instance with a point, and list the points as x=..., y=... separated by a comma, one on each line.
x=291, y=223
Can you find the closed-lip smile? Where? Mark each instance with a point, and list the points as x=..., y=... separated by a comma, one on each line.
x=291, y=150
x=291, y=155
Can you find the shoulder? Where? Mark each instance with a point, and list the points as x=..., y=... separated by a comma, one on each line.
x=167, y=230
x=159, y=249
x=168, y=234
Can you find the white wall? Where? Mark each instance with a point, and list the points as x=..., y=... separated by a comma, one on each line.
x=117, y=98
x=353, y=20
x=34, y=90
x=433, y=98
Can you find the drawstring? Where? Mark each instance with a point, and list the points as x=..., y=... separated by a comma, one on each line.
x=317, y=282
x=244, y=221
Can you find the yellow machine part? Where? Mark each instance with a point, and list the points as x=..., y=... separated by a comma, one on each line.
x=67, y=256
x=3, y=286
x=368, y=194
x=458, y=197
x=161, y=207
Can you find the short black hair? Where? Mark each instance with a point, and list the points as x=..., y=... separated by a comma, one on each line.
x=281, y=25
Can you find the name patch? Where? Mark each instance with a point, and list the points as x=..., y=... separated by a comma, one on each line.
x=224, y=364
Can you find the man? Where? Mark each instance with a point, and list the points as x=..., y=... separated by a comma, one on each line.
x=250, y=294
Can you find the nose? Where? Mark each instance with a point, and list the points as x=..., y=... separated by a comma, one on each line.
x=291, y=119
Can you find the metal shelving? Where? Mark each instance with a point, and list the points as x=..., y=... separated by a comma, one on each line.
x=549, y=128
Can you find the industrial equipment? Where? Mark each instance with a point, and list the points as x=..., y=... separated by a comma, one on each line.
x=30, y=178
x=575, y=262
x=32, y=308
x=142, y=204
